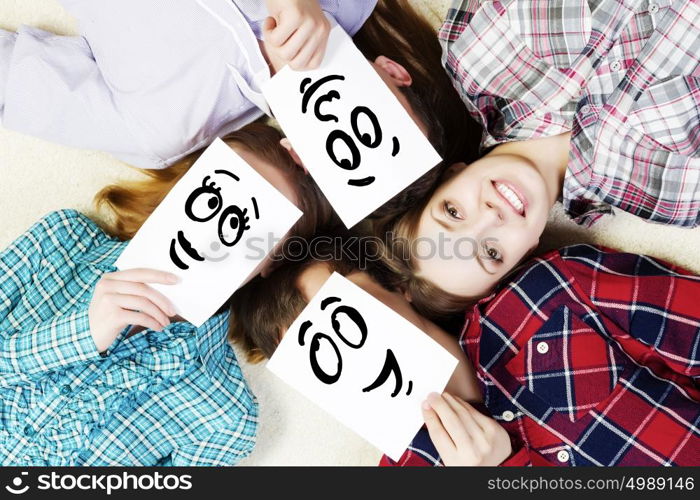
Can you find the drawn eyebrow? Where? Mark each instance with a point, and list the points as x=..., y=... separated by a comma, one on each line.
x=308, y=93
x=396, y=148
x=302, y=331
x=255, y=207
x=226, y=172
x=366, y=181
x=328, y=301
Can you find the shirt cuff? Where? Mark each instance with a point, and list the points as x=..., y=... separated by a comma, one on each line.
x=58, y=343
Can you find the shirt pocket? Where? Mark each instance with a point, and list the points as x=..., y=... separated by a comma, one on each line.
x=556, y=32
x=569, y=365
x=667, y=113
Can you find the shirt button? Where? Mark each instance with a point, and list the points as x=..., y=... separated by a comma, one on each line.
x=508, y=416
x=653, y=8
x=542, y=347
x=586, y=109
x=29, y=430
x=65, y=390
x=563, y=456
x=615, y=65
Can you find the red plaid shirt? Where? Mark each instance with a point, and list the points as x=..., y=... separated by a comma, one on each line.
x=588, y=357
x=622, y=75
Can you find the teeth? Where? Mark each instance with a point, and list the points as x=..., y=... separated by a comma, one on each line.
x=510, y=195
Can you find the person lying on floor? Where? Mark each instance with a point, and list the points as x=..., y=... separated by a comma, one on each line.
x=585, y=357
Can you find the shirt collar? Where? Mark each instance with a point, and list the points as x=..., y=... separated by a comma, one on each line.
x=256, y=71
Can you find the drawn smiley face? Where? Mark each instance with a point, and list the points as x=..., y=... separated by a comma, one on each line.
x=204, y=204
x=356, y=341
x=341, y=147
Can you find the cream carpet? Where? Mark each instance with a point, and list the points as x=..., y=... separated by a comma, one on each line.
x=37, y=177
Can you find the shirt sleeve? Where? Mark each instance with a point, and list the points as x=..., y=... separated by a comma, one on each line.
x=350, y=14
x=52, y=87
x=49, y=344
x=147, y=81
x=222, y=447
x=654, y=303
x=514, y=93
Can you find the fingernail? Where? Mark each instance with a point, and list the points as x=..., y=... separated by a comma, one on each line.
x=171, y=278
x=432, y=396
x=426, y=406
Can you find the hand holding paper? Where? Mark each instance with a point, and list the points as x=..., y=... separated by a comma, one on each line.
x=352, y=133
x=363, y=363
x=212, y=230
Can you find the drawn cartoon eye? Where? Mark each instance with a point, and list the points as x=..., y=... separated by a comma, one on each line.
x=322, y=359
x=342, y=150
x=204, y=202
x=366, y=127
x=352, y=329
x=232, y=224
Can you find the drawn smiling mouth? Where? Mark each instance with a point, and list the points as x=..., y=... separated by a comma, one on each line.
x=187, y=247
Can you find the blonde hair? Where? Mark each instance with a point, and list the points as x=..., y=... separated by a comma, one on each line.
x=132, y=202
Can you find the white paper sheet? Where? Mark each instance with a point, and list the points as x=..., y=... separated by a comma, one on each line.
x=344, y=107
x=384, y=410
x=206, y=212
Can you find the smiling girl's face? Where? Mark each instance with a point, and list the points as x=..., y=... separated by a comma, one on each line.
x=488, y=216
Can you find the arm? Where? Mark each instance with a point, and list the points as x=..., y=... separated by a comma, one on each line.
x=148, y=81
x=51, y=343
x=513, y=92
x=59, y=340
x=51, y=87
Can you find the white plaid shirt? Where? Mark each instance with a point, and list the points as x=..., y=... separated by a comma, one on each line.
x=622, y=75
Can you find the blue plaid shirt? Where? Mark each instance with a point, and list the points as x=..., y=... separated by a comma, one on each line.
x=173, y=397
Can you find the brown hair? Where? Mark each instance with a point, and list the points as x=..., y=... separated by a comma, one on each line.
x=131, y=203
x=265, y=307
x=395, y=30
x=397, y=235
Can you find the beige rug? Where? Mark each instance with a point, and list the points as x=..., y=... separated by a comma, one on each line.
x=37, y=177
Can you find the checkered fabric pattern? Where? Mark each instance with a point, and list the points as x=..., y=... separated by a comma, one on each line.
x=174, y=397
x=589, y=357
x=622, y=75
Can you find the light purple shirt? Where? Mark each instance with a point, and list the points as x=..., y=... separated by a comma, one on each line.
x=148, y=81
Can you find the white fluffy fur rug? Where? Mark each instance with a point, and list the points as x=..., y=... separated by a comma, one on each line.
x=37, y=177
